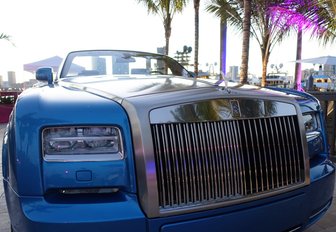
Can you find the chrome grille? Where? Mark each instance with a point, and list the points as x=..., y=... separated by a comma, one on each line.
x=205, y=162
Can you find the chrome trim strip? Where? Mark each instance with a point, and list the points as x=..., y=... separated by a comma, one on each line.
x=83, y=158
x=220, y=109
x=322, y=210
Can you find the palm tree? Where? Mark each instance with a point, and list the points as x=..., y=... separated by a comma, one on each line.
x=166, y=9
x=314, y=16
x=196, y=7
x=262, y=27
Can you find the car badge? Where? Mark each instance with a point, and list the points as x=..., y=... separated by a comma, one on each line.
x=235, y=108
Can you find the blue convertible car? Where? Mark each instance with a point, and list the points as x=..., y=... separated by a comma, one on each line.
x=129, y=141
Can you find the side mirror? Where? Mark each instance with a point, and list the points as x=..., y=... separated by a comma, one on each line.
x=45, y=74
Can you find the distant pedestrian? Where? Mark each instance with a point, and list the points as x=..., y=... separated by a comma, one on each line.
x=320, y=71
x=310, y=83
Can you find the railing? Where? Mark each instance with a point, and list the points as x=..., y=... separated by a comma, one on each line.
x=327, y=100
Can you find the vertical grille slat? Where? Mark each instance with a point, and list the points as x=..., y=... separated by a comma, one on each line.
x=269, y=158
x=215, y=161
x=199, y=179
x=223, y=161
x=255, y=180
x=283, y=156
x=191, y=177
x=235, y=159
x=240, y=158
x=264, y=156
x=279, y=153
x=228, y=160
x=292, y=146
x=289, y=160
x=298, y=158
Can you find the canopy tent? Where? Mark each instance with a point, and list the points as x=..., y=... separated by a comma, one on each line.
x=53, y=62
x=329, y=60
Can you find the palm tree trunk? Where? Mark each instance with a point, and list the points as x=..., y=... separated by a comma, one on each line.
x=246, y=42
x=265, y=58
x=264, y=74
x=167, y=27
x=298, y=75
x=265, y=53
x=196, y=7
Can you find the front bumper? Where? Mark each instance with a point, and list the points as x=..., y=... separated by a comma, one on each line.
x=293, y=210
x=36, y=214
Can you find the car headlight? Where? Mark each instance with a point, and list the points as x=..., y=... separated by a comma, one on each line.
x=82, y=143
x=313, y=133
x=310, y=122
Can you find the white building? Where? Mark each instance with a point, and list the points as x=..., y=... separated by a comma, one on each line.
x=233, y=73
x=11, y=78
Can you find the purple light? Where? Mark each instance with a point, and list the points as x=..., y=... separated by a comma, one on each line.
x=223, y=36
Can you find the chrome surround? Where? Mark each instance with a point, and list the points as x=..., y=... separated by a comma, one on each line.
x=221, y=109
x=145, y=110
x=83, y=157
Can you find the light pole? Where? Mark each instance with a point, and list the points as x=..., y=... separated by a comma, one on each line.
x=211, y=68
x=183, y=57
x=277, y=67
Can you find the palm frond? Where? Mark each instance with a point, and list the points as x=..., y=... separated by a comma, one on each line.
x=315, y=17
x=152, y=6
x=227, y=10
x=5, y=37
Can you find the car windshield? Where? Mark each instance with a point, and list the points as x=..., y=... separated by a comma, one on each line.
x=120, y=63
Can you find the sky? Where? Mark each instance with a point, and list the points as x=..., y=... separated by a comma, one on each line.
x=40, y=29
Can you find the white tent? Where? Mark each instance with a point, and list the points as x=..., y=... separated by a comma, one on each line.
x=53, y=62
x=329, y=60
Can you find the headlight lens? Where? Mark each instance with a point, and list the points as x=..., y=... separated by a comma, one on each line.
x=313, y=132
x=82, y=143
x=310, y=122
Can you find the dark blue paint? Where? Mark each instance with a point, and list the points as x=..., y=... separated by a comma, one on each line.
x=85, y=175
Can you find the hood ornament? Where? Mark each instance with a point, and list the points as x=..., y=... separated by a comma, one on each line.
x=223, y=78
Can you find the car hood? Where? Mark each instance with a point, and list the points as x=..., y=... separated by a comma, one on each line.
x=121, y=88
x=126, y=87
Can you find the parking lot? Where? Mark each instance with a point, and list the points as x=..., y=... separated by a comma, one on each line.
x=326, y=224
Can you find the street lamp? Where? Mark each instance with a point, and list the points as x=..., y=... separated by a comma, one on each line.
x=277, y=67
x=183, y=56
x=211, y=68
